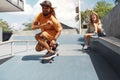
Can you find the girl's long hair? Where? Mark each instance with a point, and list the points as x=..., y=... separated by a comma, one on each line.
x=97, y=20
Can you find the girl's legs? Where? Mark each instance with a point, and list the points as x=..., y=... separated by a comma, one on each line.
x=87, y=36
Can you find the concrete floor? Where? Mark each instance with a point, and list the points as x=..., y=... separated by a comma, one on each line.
x=73, y=63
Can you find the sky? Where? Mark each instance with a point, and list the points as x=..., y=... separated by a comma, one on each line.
x=65, y=12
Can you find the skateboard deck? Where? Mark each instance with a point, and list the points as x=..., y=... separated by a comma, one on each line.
x=49, y=59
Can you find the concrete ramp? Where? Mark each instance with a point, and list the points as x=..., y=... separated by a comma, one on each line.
x=72, y=64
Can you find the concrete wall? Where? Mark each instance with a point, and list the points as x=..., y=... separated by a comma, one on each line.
x=109, y=48
x=111, y=22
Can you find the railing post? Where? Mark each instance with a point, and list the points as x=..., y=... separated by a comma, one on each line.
x=12, y=43
x=27, y=45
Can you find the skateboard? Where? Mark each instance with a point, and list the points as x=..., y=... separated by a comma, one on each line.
x=49, y=60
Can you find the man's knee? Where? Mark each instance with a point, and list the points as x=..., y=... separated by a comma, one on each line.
x=37, y=36
x=39, y=47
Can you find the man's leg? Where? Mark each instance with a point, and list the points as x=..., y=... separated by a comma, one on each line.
x=45, y=43
x=39, y=47
x=41, y=40
x=54, y=48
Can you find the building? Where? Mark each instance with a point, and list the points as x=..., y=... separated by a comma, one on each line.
x=68, y=30
x=10, y=6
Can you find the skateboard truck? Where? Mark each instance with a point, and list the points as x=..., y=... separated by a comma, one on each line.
x=48, y=59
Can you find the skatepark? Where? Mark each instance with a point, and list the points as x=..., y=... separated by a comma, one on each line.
x=20, y=61
x=72, y=62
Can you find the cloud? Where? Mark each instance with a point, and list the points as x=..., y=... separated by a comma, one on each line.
x=27, y=9
x=65, y=11
x=16, y=26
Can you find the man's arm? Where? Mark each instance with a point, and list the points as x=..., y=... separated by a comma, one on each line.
x=57, y=35
x=37, y=25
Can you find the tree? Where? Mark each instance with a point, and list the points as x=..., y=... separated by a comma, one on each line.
x=5, y=26
x=117, y=1
x=28, y=26
x=86, y=15
x=102, y=8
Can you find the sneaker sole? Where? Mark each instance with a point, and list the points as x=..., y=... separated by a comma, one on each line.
x=46, y=58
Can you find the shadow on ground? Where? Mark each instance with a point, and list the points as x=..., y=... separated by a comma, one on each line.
x=31, y=57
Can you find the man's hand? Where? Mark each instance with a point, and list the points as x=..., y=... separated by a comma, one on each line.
x=49, y=22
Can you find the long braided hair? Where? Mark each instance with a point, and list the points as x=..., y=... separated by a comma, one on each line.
x=53, y=12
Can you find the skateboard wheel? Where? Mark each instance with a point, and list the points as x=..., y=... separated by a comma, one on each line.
x=42, y=61
x=57, y=54
x=50, y=61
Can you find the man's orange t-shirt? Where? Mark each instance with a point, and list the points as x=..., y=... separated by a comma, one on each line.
x=48, y=31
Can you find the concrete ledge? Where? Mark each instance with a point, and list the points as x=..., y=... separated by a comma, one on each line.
x=109, y=48
x=110, y=42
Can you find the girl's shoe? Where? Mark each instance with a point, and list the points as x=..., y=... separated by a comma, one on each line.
x=95, y=35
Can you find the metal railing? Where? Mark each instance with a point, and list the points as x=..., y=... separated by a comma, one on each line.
x=7, y=48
